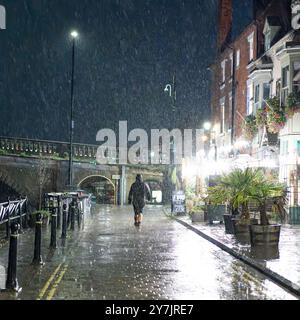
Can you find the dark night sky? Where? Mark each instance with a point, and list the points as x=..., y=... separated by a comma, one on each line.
x=127, y=52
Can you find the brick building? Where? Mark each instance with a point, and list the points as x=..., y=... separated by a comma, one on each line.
x=232, y=92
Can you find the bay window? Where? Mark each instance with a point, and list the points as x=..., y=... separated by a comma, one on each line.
x=285, y=84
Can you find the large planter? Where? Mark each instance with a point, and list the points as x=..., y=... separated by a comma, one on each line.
x=265, y=235
x=197, y=217
x=229, y=225
x=241, y=230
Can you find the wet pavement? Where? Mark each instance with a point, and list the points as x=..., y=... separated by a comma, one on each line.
x=284, y=260
x=111, y=259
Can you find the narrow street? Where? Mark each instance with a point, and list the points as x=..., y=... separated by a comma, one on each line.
x=112, y=259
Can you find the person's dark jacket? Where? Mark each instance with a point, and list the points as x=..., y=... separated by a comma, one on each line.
x=139, y=191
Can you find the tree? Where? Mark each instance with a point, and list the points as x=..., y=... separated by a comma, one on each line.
x=43, y=178
x=234, y=188
x=263, y=189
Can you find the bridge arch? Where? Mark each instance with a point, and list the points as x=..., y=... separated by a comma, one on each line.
x=9, y=188
x=156, y=189
x=103, y=188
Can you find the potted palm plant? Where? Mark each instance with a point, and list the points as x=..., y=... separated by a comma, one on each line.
x=234, y=189
x=262, y=190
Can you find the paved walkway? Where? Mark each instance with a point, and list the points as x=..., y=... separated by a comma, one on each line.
x=285, y=261
x=112, y=259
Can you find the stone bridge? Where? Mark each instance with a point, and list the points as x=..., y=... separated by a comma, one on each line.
x=31, y=167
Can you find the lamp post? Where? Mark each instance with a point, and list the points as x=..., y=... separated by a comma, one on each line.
x=171, y=89
x=74, y=35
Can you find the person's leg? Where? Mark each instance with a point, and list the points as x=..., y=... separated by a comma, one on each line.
x=136, y=215
x=140, y=216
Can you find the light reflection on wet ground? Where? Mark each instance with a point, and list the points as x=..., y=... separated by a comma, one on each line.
x=112, y=259
x=284, y=259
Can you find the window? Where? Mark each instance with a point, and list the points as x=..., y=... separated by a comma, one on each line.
x=222, y=115
x=278, y=87
x=249, y=99
x=230, y=109
x=238, y=58
x=266, y=93
x=296, y=76
x=268, y=40
x=231, y=64
x=285, y=84
x=256, y=97
x=223, y=65
x=251, y=46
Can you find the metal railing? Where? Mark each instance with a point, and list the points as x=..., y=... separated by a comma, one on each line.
x=60, y=150
x=53, y=149
x=11, y=210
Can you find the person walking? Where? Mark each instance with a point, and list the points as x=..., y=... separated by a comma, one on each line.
x=139, y=191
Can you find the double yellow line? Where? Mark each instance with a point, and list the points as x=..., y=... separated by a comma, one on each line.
x=58, y=275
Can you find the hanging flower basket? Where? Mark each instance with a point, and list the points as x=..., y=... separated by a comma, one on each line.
x=250, y=128
x=293, y=104
x=276, y=121
x=261, y=117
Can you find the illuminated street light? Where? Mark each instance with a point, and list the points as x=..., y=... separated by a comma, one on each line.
x=168, y=89
x=74, y=34
x=207, y=126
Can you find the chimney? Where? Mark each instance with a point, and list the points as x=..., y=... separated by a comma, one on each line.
x=225, y=23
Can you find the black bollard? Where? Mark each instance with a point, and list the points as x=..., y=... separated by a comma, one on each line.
x=73, y=209
x=37, y=258
x=11, y=280
x=64, y=222
x=53, y=229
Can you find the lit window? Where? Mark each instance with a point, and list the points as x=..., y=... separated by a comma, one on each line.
x=230, y=109
x=251, y=46
x=223, y=65
x=256, y=97
x=285, y=84
x=231, y=64
x=222, y=116
x=238, y=58
x=249, y=99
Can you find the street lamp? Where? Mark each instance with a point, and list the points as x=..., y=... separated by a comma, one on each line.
x=74, y=35
x=171, y=89
x=168, y=88
x=207, y=126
